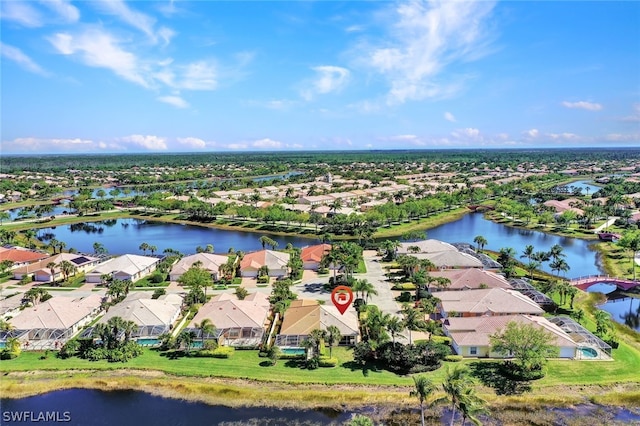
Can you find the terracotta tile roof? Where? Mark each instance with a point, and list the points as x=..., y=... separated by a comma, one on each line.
x=314, y=253
x=226, y=311
x=273, y=259
x=19, y=255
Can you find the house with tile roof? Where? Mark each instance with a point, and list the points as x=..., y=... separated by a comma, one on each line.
x=152, y=316
x=470, y=279
x=210, y=262
x=240, y=323
x=21, y=256
x=48, y=325
x=305, y=315
x=128, y=267
x=312, y=255
x=41, y=272
x=276, y=261
x=485, y=302
x=470, y=337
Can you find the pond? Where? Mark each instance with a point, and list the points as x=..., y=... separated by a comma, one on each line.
x=580, y=255
x=587, y=187
x=121, y=236
x=623, y=309
x=132, y=408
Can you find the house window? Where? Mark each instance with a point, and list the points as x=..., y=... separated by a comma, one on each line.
x=473, y=350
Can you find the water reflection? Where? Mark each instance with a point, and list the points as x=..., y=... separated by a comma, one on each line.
x=623, y=309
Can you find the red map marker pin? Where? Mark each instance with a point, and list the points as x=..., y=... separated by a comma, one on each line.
x=342, y=296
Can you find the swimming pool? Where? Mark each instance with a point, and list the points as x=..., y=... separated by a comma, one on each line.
x=588, y=352
x=147, y=342
x=294, y=351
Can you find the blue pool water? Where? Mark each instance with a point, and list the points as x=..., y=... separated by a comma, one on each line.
x=293, y=351
x=147, y=342
x=589, y=352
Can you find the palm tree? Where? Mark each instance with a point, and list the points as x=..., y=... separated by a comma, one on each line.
x=128, y=328
x=556, y=252
x=394, y=326
x=470, y=405
x=186, y=337
x=412, y=320
x=152, y=249
x=67, y=269
x=528, y=252
x=365, y=288
x=317, y=337
x=481, y=242
x=455, y=384
x=333, y=338
x=205, y=327
x=423, y=389
x=144, y=247
x=52, y=269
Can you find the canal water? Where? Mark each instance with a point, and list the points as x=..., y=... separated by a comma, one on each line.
x=125, y=236
x=623, y=309
x=132, y=408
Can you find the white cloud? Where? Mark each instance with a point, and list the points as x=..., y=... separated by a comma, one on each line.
x=354, y=29
x=64, y=9
x=424, y=40
x=97, y=48
x=21, y=12
x=267, y=143
x=328, y=79
x=176, y=101
x=199, y=75
x=589, y=106
x=16, y=55
x=532, y=133
x=138, y=20
x=192, y=142
x=149, y=142
x=635, y=115
x=449, y=117
x=51, y=145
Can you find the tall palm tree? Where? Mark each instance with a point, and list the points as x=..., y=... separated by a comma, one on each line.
x=470, y=405
x=144, y=247
x=52, y=269
x=317, y=336
x=423, y=389
x=394, y=326
x=528, y=252
x=333, y=336
x=205, y=327
x=455, y=384
x=481, y=242
x=412, y=320
x=365, y=288
x=186, y=337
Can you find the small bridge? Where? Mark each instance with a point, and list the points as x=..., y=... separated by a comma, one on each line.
x=584, y=283
x=477, y=207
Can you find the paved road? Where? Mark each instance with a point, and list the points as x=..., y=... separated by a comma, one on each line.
x=376, y=276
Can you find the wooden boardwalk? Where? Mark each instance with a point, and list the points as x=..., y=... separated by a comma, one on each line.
x=584, y=283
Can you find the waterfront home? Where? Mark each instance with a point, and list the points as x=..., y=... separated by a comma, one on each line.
x=425, y=246
x=312, y=255
x=485, y=302
x=210, y=263
x=305, y=315
x=470, y=337
x=43, y=273
x=128, y=267
x=470, y=278
x=21, y=256
x=451, y=260
x=561, y=206
x=239, y=323
x=48, y=325
x=152, y=316
x=276, y=261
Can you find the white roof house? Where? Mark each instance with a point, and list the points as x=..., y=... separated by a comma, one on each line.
x=210, y=262
x=471, y=336
x=49, y=324
x=485, y=302
x=152, y=316
x=128, y=267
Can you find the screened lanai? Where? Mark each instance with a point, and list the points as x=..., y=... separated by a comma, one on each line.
x=581, y=335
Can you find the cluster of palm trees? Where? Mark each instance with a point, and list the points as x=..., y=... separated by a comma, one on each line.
x=67, y=268
x=345, y=256
x=317, y=338
x=150, y=247
x=115, y=333
x=459, y=391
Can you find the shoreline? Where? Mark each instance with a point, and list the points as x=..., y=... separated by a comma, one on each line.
x=237, y=393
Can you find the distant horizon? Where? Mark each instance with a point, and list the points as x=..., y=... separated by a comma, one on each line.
x=122, y=76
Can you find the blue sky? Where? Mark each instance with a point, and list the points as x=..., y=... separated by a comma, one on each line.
x=115, y=76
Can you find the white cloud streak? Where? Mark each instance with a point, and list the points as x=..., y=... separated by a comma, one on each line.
x=20, y=12
x=174, y=100
x=328, y=79
x=449, y=117
x=64, y=9
x=16, y=55
x=589, y=106
x=138, y=20
x=425, y=39
x=148, y=142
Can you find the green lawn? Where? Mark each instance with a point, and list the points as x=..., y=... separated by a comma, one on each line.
x=247, y=364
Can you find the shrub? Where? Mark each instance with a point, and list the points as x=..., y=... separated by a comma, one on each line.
x=441, y=339
x=313, y=363
x=404, y=297
x=263, y=279
x=219, y=352
x=158, y=292
x=404, y=286
x=156, y=278
x=325, y=361
x=453, y=358
x=6, y=354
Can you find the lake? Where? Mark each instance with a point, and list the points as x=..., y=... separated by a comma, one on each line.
x=625, y=310
x=125, y=236
x=132, y=408
x=122, y=236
